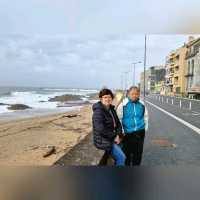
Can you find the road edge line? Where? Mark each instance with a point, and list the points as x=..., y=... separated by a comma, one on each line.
x=194, y=128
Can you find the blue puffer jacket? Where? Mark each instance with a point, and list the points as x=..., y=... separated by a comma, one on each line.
x=133, y=116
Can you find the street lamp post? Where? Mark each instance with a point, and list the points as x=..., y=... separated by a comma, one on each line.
x=145, y=50
x=126, y=79
x=134, y=71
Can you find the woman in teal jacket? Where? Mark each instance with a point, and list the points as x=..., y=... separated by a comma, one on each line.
x=133, y=121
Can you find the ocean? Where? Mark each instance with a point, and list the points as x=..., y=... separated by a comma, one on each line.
x=37, y=99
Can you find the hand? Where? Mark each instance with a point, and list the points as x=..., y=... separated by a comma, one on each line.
x=117, y=139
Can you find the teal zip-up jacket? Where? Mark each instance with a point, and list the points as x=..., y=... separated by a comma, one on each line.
x=133, y=116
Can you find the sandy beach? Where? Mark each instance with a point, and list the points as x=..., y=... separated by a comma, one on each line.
x=25, y=142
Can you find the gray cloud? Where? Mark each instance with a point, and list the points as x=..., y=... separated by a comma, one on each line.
x=77, y=61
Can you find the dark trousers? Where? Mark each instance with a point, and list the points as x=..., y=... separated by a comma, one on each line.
x=104, y=159
x=133, y=147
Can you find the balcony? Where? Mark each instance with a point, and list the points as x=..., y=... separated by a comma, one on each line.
x=189, y=74
x=176, y=65
x=176, y=73
x=176, y=83
x=191, y=54
x=172, y=63
x=172, y=53
x=169, y=83
x=193, y=90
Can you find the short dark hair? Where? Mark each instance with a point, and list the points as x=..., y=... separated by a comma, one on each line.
x=133, y=88
x=105, y=91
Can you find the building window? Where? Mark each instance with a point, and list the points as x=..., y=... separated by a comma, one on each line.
x=188, y=83
x=188, y=67
x=178, y=90
x=192, y=70
x=191, y=81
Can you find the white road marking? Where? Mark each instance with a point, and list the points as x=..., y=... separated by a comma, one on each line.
x=194, y=128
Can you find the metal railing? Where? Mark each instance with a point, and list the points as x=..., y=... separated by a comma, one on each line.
x=180, y=102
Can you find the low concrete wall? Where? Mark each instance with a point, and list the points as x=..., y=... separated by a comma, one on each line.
x=83, y=154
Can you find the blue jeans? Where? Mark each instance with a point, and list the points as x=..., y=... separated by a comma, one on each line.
x=118, y=155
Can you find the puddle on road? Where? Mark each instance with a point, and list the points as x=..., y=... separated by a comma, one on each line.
x=163, y=143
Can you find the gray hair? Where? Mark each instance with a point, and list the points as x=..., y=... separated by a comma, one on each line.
x=133, y=88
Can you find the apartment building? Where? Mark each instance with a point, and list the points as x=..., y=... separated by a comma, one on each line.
x=192, y=72
x=175, y=72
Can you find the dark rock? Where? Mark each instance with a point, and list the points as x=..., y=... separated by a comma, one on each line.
x=66, y=97
x=4, y=104
x=18, y=107
x=42, y=101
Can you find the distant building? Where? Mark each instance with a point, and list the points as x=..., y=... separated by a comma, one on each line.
x=157, y=75
x=192, y=72
x=154, y=76
x=175, y=72
x=160, y=88
x=147, y=85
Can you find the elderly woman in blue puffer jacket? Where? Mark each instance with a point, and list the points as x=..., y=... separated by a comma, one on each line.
x=135, y=122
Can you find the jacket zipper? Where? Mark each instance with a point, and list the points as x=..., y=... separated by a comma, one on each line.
x=113, y=119
x=135, y=117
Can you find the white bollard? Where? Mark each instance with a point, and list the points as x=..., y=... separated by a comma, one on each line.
x=172, y=101
x=167, y=100
x=190, y=105
x=180, y=104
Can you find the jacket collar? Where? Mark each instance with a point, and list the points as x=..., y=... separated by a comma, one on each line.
x=133, y=101
x=104, y=107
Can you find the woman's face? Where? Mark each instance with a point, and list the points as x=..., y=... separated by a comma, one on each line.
x=134, y=95
x=106, y=100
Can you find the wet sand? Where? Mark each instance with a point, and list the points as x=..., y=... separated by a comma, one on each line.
x=24, y=142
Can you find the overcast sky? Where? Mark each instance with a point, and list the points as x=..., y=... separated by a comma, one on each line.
x=88, y=44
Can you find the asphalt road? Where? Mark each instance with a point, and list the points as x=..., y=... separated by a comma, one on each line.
x=168, y=142
x=182, y=144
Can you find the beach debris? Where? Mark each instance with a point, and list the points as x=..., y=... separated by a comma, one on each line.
x=71, y=116
x=32, y=147
x=18, y=107
x=51, y=150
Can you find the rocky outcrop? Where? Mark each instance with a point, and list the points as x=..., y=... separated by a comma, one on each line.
x=4, y=104
x=18, y=107
x=66, y=97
